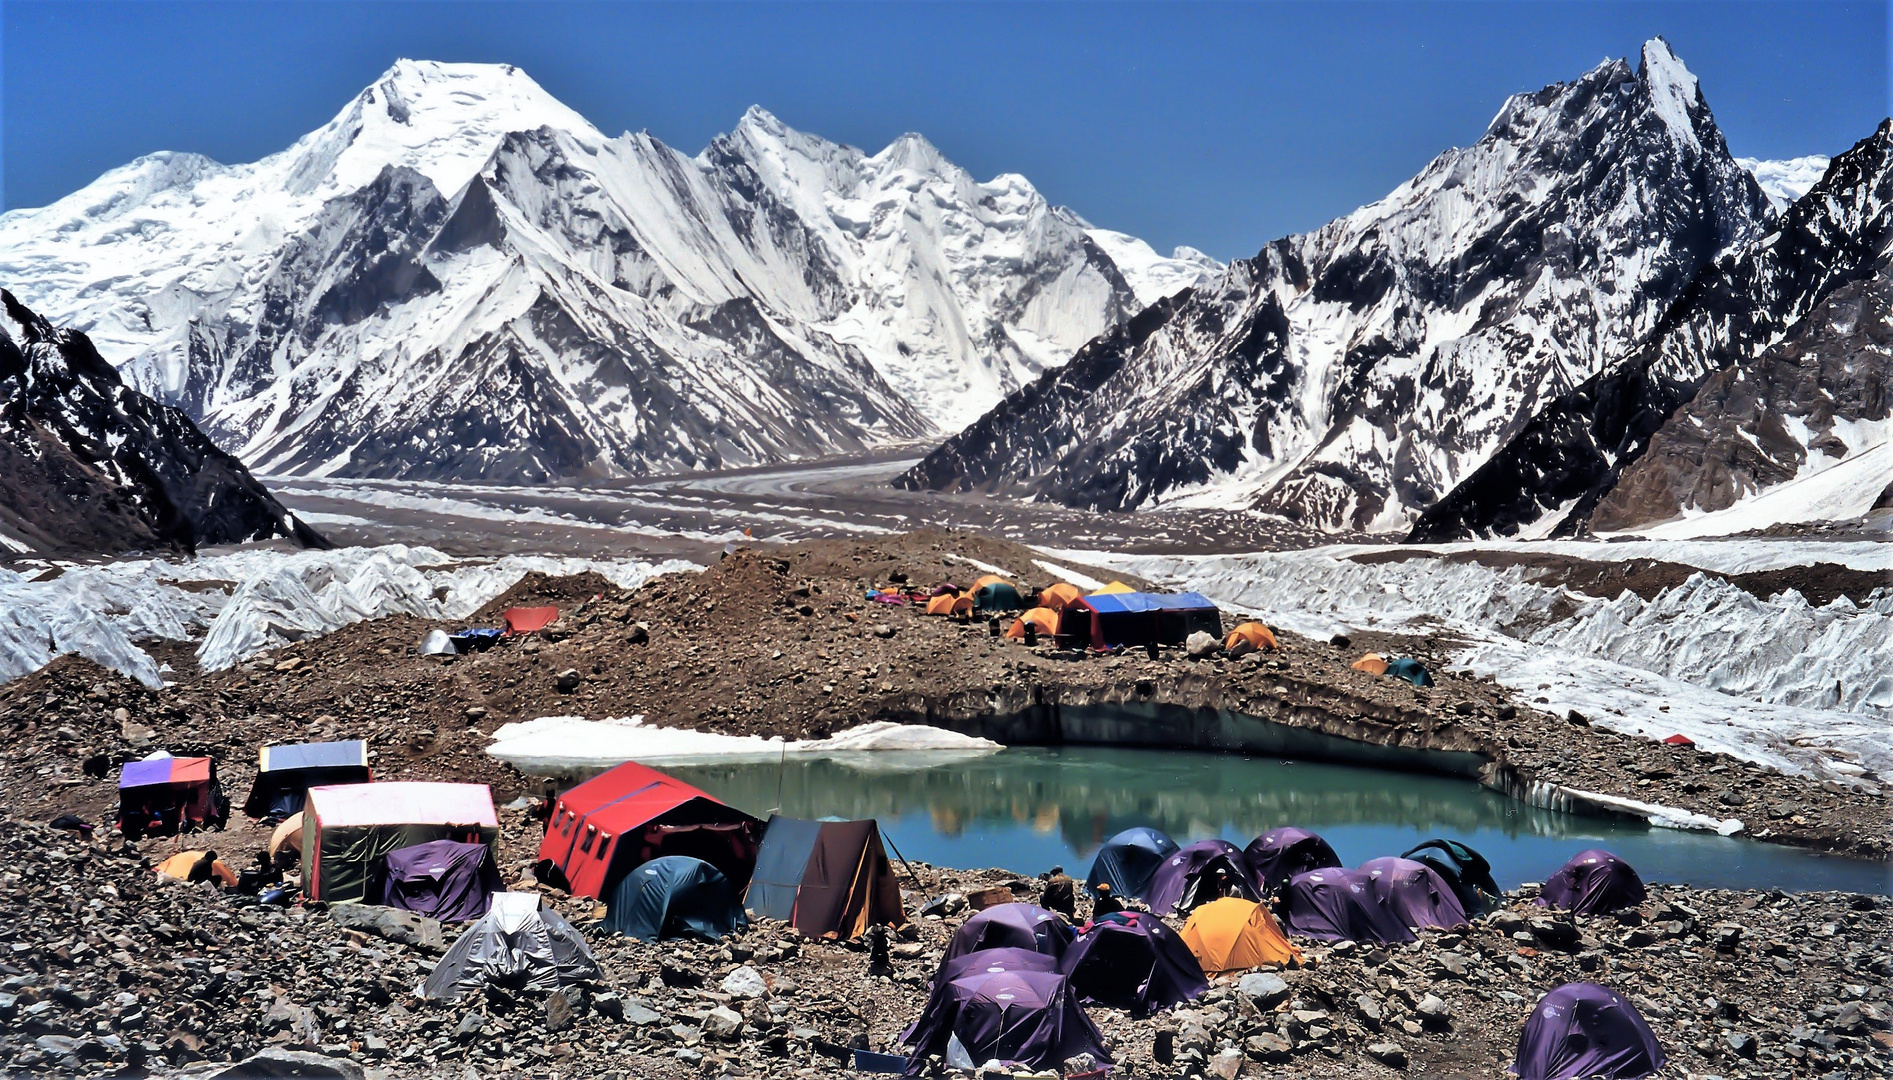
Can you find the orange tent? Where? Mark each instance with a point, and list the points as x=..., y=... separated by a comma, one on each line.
x=525, y=620
x=1372, y=663
x=1232, y=934
x=1044, y=618
x=178, y=868
x=1114, y=587
x=1059, y=595
x=989, y=579
x=949, y=604
x=1259, y=637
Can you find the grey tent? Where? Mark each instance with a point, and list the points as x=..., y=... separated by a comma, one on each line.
x=517, y=945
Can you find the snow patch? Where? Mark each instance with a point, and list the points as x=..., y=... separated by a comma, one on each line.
x=1786, y=179
x=556, y=744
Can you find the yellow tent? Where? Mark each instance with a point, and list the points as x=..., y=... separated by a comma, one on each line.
x=1232, y=934
x=1044, y=618
x=289, y=832
x=1372, y=663
x=178, y=868
x=949, y=604
x=1114, y=587
x=989, y=579
x=1059, y=595
x=1260, y=639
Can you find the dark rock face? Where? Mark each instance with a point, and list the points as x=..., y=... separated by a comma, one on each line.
x=1350, y=377
x=1572, y=453
x=91, y=466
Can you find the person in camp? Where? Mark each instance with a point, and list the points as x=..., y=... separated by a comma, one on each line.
x=1106, y=903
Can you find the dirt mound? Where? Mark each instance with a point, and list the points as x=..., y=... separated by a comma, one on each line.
x=538, y=589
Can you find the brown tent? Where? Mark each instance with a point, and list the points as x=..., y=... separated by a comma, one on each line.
x=828, y=879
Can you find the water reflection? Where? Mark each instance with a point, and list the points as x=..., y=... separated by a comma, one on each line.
x=1027, y=809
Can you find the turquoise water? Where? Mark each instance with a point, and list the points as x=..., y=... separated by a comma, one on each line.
x=1028, y=809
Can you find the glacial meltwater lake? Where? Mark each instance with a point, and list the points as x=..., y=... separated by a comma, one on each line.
x=1029, y=809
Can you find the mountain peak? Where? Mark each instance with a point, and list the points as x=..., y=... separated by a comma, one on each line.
x=1674, y=92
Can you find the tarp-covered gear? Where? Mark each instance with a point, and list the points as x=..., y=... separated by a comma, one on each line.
x=632, y=814
x=673, y=896
x=1592, y=883
x=1059, y=595
x=1409, y=669
x=284, y=774
x=1132, y=961
x=477, y=639
x=1250, y=637
x=1043, y=620
x=1372, y=663
x=949, y=604
x=163, y=796
x=438, y=643
x=1029, y=1018
x=1233, y=934
x=828, y=879
x=348, y=830
x=517, y=945
x=1416, y=893
x=1198, y=873
x=1016, y=925
x=1127, y=860
x=441, y=879
x=527, y=620
x=1586, y=1030
x=194, y=866
x=1280, y=854
x=997, y=596
x=1464, y=869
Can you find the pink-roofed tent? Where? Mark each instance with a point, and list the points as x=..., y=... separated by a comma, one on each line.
x=349, y=829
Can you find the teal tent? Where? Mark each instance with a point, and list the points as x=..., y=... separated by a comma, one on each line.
x=998, y=596
x=673, y=896
x=1410, y=670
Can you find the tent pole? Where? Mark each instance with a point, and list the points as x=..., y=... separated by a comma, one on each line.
x=898, y=855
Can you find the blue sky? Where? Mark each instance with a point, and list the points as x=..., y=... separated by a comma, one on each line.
x=1220, y=126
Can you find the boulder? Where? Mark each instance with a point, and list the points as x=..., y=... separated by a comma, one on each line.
x=274, y=1062
x=1200, y=645
x=392, y=923
x=1264, y=989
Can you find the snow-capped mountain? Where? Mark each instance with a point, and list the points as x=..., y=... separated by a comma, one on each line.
x=460, y=277
x=1551, y=477
x=1786, y=179
x=90, y=466
x=1351, y=376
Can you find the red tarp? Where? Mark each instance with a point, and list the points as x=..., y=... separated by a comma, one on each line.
x=584, y=836
x=1680, y=740
x=525, y=620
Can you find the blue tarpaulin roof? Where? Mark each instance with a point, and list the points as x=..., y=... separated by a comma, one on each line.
x=1122, y=603
x=1182, y=601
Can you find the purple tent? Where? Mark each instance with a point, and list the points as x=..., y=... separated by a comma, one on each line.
x=1204, y=871
x=1130, y=960
x=442, y=879
x=1592, y=883
x=1030, y=1018
x=986, y=962
x=1280, y=854
x=1585, y=1030
x=1016, y=926
x=1415, y=893
x=1340, y=905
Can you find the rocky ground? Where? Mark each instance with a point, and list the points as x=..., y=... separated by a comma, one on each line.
x=104, y=970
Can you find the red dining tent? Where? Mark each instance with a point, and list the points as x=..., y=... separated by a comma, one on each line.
x=603, y=828
x=526, y=620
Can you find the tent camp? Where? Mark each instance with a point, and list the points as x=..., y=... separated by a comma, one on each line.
x=1029, y=1018
x=1109, y=621
x=441, y=879
x=1280, y=854
x=1059, y=595
x=1181, y=614
x=1586, y=1030
x=828, y=879
x=1415, y=893
x=674, y=896
x=163, y=796
x=284, y=774
x=605, y=826
x=348, y=830
x=1130, y=960
x=527, y=620
x=518, y=945
x=997, y=596
x=1204, y=871
x=1464, y=869
x=1592, y=883
x=1044, y=622
x=950, y=603
x=1012, y=926
x=1249, y=637
x=1127, y=860
x=1232, y=934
